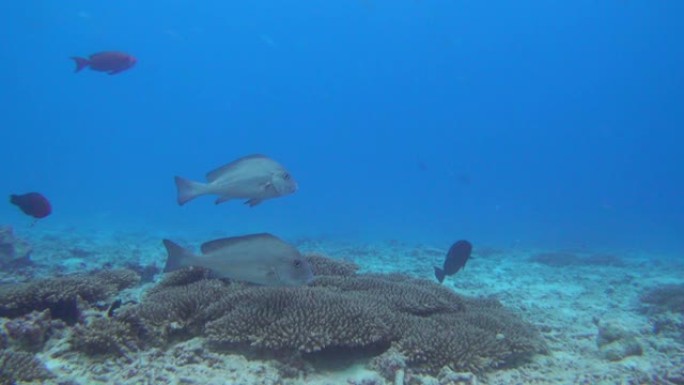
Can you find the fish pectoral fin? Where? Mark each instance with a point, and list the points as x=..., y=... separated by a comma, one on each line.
x=253, y=202
x=220, y=200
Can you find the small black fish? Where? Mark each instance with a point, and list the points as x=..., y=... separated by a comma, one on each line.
x=112, y=308
x=455, y=260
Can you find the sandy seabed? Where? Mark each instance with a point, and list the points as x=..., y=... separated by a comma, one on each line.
x=574, y=298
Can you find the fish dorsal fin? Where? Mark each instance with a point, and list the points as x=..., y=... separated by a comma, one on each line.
x=220, y=243
x=215, y=174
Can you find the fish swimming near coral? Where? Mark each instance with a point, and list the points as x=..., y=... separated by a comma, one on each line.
x=455, y=260
x=110, y=62
x=257, y=258
x=254, y=178
x=33, y=204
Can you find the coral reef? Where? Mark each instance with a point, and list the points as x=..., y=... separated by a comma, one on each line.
x=21, y=366
x=30, y=332
x=483, y=336
x=391, y=365
x=146, y=272
x=174, y=311
x=102, y=336
x=398, y=292
x=182, y=277
x=306, y=319
x=427, y=324
x=61, y=295
x=321, y=265
x=12, y=249
x=664, y=298
x=448, y=377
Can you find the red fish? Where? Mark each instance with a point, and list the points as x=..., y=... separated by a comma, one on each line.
x=33, y=204
x=110, y=62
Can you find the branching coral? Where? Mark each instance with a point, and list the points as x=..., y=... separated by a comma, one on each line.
x=21, y=366
x=299, y=319
x=61, y=295
x=31, y=331
x=181, y=277
x=400, y=293
x=428, y=324
x=174, y=311
x=483, y=336
x=321, y=265
x=104, y=335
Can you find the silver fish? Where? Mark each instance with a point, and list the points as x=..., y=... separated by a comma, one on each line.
x=254, y=177
x=257, y=258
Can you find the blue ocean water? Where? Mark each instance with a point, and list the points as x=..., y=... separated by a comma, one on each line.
x=550, y=124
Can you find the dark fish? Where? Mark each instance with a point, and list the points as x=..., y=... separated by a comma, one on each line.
x=257, y=258
x=112, y=308
x=464, y=178
x=33, y=204
x=110, y=62
x=422, y=166
x=455, y=260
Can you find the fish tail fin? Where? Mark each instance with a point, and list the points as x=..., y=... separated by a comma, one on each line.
x=81, y=63
x=188, y=190
x=439, y=274
x=176, y=256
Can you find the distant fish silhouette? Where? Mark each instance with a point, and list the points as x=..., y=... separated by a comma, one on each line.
x=109, y=62
x=33, y=204
x=455, y=260
x=464, y=178
x=422, y=166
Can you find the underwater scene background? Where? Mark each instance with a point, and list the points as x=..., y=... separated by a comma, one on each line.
x=548, y=134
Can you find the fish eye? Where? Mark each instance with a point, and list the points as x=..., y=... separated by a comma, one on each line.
x=298, y=263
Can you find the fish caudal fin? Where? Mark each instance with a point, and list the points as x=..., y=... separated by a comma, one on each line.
x=81, y=63
x=439, y=274
x=177, y=256
x=189, y=190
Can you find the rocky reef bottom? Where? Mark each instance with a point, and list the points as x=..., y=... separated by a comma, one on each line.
x=373, y=315
x=401, y=326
